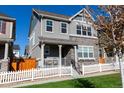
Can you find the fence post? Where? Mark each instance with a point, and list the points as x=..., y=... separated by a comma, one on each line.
x=32, y=71
x=71, y=70
x=0, y=77
x=60, y=72
x=83, y=72
x=100, y=68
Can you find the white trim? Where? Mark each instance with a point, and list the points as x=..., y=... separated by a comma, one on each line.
x=11, y=28
x=88, y=58
x=80, y=12
x=87, y=23
x=41, y=23
x=1, y=28
x=46, y=25
x=83, y=36
x=66, y=28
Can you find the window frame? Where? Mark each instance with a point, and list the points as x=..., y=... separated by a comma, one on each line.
x=0, y=66
x=89, y=31
x=84, y=30
x=50, y=26
x=88, y=52
x=78, y=29
x=62, y=27
x=32, y=39
x=1, y=27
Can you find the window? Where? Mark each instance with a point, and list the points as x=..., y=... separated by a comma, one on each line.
x=49, y=25
x=2, y=26
x=83, y=30
x=85, y=52
x=89, y=31
x=47, y=50
x=32, y=39
x=78, y=29
x=0, y=65
x=63, y=27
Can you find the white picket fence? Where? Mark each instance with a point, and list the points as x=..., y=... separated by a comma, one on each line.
x=87, y=69
x=10, y=77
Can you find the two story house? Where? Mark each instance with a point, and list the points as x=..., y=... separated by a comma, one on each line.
x=56, y=39
x=7, y=37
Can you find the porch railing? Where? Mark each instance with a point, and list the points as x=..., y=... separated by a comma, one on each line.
x=54, y=62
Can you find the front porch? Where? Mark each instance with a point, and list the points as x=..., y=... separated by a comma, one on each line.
x=53, y=55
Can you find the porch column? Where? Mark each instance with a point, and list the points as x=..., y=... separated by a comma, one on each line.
x=60, y=55
x=75, y=51
x=60, y=59
x=41, y=64
x=6, y=51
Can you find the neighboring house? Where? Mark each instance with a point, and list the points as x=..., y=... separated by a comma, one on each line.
x=7, y=37
x=26, y=52
x=62, y=39
x=16, y=50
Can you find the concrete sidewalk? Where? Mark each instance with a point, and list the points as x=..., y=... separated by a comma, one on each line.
x=54, y=79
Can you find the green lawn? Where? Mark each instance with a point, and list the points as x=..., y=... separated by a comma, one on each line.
x=105, y=81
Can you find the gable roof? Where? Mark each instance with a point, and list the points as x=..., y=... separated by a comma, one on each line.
x=80, y=12
x=52, y=15
x=6, y=17
x=56, y=16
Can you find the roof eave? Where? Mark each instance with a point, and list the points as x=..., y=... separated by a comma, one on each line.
x=80, y=12
x=7, y=18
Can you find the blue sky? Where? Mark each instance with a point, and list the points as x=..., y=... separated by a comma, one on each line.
x=23, y=13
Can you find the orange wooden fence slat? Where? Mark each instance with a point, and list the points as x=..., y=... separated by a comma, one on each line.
x=23, y=64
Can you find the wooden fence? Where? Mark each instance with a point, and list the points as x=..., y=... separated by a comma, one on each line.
x=23, y=64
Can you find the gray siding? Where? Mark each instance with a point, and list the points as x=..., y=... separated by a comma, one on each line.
x=40, y=31
x=9, y=29
x=35, y=49
x=56, y=30
x=73, y=24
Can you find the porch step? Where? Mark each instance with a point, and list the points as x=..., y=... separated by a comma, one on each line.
x=75, y=73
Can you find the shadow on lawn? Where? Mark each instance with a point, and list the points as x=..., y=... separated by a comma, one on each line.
x=83, y=83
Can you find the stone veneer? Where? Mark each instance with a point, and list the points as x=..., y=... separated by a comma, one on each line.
x=4, y=65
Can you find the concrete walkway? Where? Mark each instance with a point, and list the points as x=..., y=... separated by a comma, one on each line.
x=55, y=79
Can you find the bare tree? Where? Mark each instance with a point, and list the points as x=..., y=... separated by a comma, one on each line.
x=109, y=23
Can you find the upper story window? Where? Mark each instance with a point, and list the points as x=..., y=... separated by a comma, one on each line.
x=86, y=52
x=78, y=29
x=63, y=28
x=49, y=25
x=83, y=30
x=2, y=27
x=89, y=31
